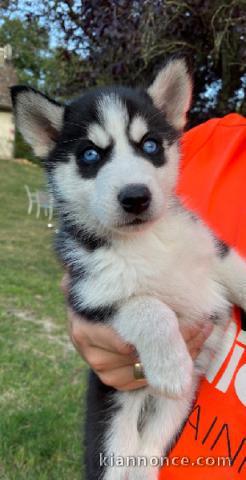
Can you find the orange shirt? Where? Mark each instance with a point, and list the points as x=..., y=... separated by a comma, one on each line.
x=213, y=183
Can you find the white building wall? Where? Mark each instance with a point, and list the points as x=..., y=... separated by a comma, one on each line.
x=7, y=135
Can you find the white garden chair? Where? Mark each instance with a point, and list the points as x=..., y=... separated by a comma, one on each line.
x=32, y=199
x=45, y=202
x=42, y=200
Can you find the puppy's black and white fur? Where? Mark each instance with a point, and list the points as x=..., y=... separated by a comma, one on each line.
x=138, y=261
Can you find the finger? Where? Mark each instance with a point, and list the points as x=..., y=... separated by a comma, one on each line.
x=119, y=377
x=195, y=345
x=105, y=337
x=77, y=327
x=83, y=332
x=102, y=360
x=194, y=353
x=190, y=331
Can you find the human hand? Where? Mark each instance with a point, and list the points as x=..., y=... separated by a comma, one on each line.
x=110, y=357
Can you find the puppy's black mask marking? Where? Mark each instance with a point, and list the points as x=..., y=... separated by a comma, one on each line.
x=83, y=112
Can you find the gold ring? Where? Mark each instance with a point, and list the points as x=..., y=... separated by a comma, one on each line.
x=138, y=371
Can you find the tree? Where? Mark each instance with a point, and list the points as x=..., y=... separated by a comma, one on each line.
x=122, y=41
x=30, y=43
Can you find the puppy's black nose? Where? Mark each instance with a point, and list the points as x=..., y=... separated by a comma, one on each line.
x=135, y=198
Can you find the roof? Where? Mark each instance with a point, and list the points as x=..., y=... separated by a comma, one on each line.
x=8, y=78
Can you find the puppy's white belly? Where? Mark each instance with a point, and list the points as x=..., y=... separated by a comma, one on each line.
x=165, y=263
x=190, y=292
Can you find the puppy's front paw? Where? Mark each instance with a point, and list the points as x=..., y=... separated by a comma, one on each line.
x=173, y=375
x=141, y=473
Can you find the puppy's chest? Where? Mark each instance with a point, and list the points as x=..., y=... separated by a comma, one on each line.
x=176, y=268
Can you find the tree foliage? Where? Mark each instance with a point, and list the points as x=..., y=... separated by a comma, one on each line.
x=29, y=42
x=122, y=41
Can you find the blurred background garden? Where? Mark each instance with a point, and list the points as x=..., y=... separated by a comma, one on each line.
x=61, y=48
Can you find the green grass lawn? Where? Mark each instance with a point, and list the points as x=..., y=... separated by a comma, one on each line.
x=42, y=379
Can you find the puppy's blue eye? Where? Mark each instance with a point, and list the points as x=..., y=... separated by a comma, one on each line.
x=90, y=155
x=150, y=147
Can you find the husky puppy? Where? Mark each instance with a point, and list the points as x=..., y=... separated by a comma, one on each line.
x=138, y=260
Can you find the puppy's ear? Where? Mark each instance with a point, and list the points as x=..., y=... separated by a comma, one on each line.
x=38, y=118
x=171, y=92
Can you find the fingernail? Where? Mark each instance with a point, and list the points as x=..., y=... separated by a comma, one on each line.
x=130, y=347
x=127, y=348
x=134, y=353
